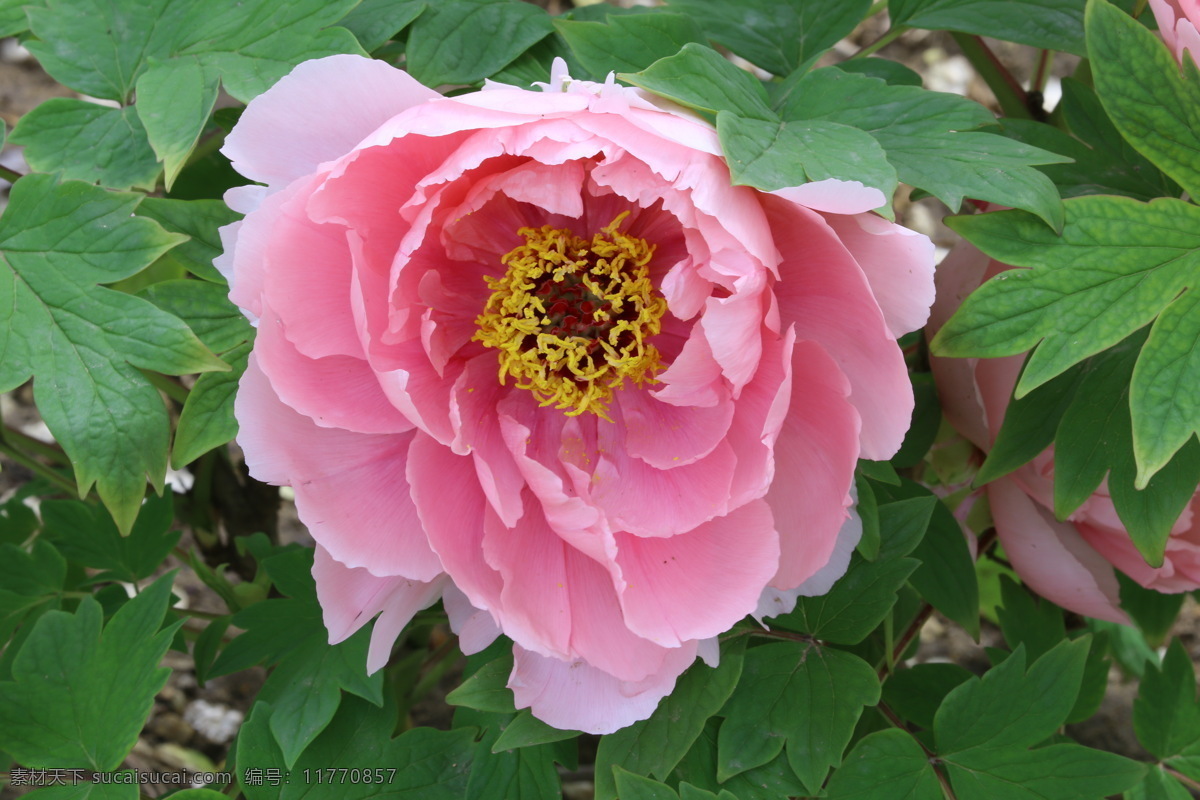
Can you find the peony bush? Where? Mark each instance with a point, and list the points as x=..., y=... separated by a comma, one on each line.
x=531, y=352
x=1070, y=562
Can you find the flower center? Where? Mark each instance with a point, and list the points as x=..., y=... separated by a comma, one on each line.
x=571, y=318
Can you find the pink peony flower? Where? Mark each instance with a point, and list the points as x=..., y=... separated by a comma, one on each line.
x=530, y=351
x=1177, y=24
x=1070, y=563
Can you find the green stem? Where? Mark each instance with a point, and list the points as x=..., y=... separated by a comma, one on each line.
x=876, y=7
x=48, y=451
x=1043, y=70
x=38, y=468
x=10, y=175
x=172, y=389
x=891, y=657
x=1009, y=94
x=1184, y=779
x=1140, y=7
x=883, y=41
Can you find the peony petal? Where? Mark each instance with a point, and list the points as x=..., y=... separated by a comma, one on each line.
x=351, y=597
x=350, y=488
x=451, y=509
x=325, y=106
x=1051, y=556
x=334, y=392
x=402, y=605
x=823, y=292
x=307, y=280
x=475, y=628
x=560, y=603
x=574, y=695
x=898, y=264
x=699, y=584
x=645, y=501
x=815, y=457
x=834, y=196
x=667, y=436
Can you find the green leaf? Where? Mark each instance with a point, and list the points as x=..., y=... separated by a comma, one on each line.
x=82, y=343
x=889, y=758
x=30, y=585
x=206, y=308
x=197, y=219
x=1160, y=117
x=772, y=155
x=777, y=36
x=634, y=787
x=12, y=17
x=526, y=730
x=929, y=138
x=882, y=68
x=1038, y=625
x=374, y=22
x=699, y=77
x=1166, y=717
x=926, y=421
x=1113, y=163
x=655, y=746
x=1008, y=707
x=916, y=692
x=867, y=508
x=99, y=48
x=80, y=696
x=946, y=578
x=866, y=593
x=525, y=773
x=86, y=534
x=1049, y=24
x=487, y=689
x=1163, y=405
x=307, y=685
x=1066, y=771
x=1150, y=514
x=305, y=689
x=1029, y=425
x=1154, y=612
x=803, y=694
x=1158, y=785
x=421, y=764
x=465, y=41
x=86, y=790
x=207, y=419
x=79, y=140
x=768, y=782
x=628, y=42
x=1117, y=264
x=174, y=100
x=880, y=471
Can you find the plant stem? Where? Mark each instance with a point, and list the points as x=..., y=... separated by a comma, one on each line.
x=876, y=7
x=172, y=389
x=1139, y=8
x=1042, y=71
x=38, y=468
x=905, y=640
x=1184, y=779
x=48, y=451
x=10, y=175
x=1013, y=100
x=883, y=41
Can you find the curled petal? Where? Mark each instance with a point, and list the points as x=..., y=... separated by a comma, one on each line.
x=575, y=695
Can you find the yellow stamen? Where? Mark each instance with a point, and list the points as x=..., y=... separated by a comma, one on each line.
x=571, y=318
